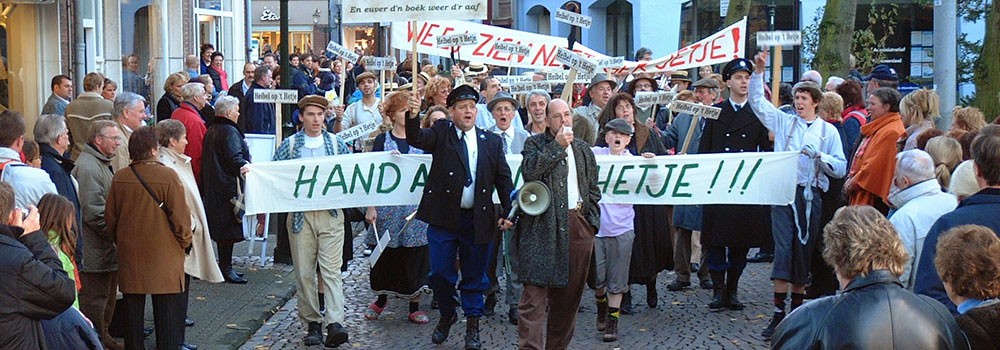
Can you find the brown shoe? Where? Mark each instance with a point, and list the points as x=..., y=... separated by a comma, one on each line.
x=602, y=314
x=611, y=332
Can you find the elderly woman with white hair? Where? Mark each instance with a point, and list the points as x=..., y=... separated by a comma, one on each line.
x=195, y=98
x=225, y=159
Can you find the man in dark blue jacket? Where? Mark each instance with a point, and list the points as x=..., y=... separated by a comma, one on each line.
x=257, y=118
x=457, y=204
x=35, y=285
x=978, y=209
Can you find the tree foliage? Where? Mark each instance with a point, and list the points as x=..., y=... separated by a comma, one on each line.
x=737, y=10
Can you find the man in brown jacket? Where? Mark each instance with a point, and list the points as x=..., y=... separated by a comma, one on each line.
x=85, y=109
x=148, y=217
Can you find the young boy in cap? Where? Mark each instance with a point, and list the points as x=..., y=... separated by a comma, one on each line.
x=613, y=245
x=317, y=237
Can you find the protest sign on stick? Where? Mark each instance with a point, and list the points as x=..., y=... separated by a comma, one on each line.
x=778, y=39
x=573, y=18
x=345, y=55
x=698, y=111
x=276, y=96
x=511, y=49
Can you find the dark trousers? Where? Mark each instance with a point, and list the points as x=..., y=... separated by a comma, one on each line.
x=547, y=316
x=444, y=246
x=682, y=256
x=730, y=260
x=97, y=299
x=168, y=320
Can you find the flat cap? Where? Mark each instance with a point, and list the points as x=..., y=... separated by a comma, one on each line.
x=313, y=100
x=619, y=125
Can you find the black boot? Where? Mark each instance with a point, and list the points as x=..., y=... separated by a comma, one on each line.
x=491, y=304
x=335, y=335
x=472, y=334
x=602, y=314
x=719, y=297
x=732, y=285
x=627, y=304
x=443, y=327
x=230, y=276
x=651, y=297
x=314, y=335
x=769, y=331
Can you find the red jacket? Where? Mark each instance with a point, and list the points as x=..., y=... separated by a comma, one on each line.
x=188, y=115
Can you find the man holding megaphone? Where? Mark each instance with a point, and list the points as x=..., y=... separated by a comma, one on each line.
x=552, y=250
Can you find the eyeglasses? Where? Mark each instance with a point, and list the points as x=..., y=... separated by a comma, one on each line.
x=115, y=138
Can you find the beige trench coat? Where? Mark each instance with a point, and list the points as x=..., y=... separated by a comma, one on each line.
x=200, y=262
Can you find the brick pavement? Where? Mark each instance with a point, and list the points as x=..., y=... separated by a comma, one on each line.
x=682, y=321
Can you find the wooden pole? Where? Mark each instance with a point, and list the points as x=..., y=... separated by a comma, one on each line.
x=413, y=58
x=687, y=139
x=567, y=93
x=776, y=77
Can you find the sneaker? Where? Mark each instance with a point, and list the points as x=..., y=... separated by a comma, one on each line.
x=314, y=335
x=769, y=331
x=335, y=335
x=678, y=285
x=419, y=317
x=373, y=311
x=366, y=252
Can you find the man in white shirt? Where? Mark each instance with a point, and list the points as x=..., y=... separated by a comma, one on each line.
x=504, y=109
x=363, y=111
x=795, y=227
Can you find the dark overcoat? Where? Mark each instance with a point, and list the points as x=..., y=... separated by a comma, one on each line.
x=541, y=243
x=735, y=225
x=439, y=205
x=225, y=152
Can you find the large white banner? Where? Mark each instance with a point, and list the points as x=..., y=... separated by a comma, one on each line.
x=717, y=48
x=382, y=178
x=367, y=11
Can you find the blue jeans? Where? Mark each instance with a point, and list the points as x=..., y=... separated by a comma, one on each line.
x=474, y=260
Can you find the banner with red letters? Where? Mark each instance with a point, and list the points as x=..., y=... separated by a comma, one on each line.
x=717, y=48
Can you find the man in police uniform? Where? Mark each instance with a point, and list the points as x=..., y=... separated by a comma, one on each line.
x=457, y=204
x=729, y=231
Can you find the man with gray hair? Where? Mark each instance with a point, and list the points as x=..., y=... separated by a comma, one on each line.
x=537, y=101
x=919, y=202
x=99, y=268
x=130, y=114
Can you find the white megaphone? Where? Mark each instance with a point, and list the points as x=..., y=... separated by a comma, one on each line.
x=533, y=199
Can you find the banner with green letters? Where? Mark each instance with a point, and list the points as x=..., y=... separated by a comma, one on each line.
x=382, y=178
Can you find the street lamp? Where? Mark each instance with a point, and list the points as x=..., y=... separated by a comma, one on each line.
x=316, y=17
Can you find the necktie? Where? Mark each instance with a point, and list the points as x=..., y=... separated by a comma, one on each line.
x=464, y=149
x=506, y=149
x=739, y=107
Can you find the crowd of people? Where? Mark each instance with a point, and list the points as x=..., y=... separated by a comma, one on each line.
x=892, y=218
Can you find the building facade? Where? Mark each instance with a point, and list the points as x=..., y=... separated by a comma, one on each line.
x=42, y=39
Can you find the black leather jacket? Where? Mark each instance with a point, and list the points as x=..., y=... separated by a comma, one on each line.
x=873, y=312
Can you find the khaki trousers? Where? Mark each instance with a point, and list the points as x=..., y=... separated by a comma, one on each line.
x=320, y=242
x=557, y=305
x=683, y=242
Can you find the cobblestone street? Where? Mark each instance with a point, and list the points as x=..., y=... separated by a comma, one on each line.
x=682, y=320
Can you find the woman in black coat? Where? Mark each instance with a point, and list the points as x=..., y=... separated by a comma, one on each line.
x=171, y=98
x=224, y=159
